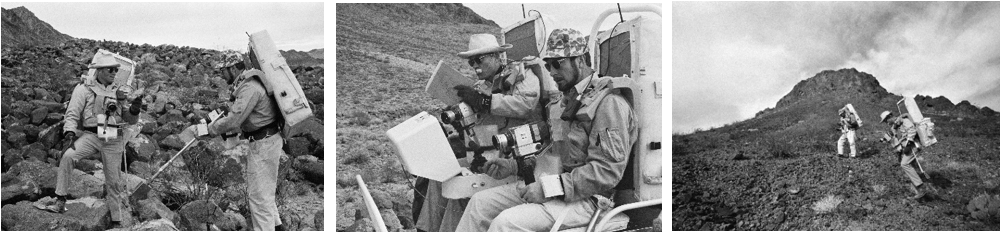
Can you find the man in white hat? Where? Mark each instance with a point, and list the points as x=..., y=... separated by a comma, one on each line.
x=848, y=123
x=506, y=95
x=98, y=102
x=902, y=139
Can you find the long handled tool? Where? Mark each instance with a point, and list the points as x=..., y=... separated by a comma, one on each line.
x=142, y=192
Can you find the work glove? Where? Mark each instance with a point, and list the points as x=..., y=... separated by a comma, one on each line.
x=500, y=168
x=533, y=193
x=478, y=101
x=69, y=140
x=137, y=105
x=120, y=95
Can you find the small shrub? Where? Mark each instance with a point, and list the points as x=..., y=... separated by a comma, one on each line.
x=357, y=158
x=827, y=204
x=779, y=149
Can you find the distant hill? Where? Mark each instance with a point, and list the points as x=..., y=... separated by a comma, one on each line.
x=303, y=58
x=22, y=28
x=317, y=53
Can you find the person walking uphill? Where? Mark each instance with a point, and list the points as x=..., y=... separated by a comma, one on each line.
x=903, y=141
x=98, y=102
x=849, y=122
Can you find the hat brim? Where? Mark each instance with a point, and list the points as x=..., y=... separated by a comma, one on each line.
x=470, y=53
x=104, y=65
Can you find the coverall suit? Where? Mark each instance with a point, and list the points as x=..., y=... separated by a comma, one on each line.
x=904, y=131
x=254, y=114
x=86, y=102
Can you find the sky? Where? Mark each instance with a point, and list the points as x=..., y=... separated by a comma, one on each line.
x=219, y=26
x=733, y=59
x=576, y=16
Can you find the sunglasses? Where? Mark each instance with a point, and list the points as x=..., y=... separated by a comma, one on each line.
x=478, y=59
x=111, y=69
x=553, y=63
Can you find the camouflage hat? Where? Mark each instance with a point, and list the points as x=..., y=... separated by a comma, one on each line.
x=565, y=42
x=229, y=58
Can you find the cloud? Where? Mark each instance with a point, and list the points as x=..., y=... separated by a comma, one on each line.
x=741, y=57
x=940, y=50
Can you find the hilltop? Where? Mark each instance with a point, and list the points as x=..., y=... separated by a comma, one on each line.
x=22, y=28
x=768, y=172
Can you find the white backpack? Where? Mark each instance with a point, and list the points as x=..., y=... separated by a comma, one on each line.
x=633, y=49
x=278, y=79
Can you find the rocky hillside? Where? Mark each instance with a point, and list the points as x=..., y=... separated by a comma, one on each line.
x=386, y=52
x=22, y=28
x=303, y=58
x=776, y=171
x=202, y=189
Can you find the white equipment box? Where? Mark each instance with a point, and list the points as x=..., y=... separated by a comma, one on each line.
x=424, y=151
x=423, y=148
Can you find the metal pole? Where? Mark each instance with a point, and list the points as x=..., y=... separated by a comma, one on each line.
x=620, y=13
x=370, y=205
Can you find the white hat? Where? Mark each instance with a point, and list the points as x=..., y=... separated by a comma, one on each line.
x=884, y=115
x=104, y=60
x=482, y=44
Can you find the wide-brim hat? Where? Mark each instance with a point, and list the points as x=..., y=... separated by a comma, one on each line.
x=103, y=61
x=482, y=44
x=884, y=116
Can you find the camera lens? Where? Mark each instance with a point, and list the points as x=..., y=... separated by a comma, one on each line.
x=448, y=116
x=112, y=107
x=500, y=141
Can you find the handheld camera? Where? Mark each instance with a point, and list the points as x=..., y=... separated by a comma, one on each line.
x=460, y=115
x=523, y=142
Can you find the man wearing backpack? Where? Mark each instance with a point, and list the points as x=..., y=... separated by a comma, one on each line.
x=255, y=115
x=506, y=94
x=848, y=123
x=902, y=139
x=96, y=102
x=599, y=128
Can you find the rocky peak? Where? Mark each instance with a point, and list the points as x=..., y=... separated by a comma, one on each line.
x=22, y=28
x=843, y=83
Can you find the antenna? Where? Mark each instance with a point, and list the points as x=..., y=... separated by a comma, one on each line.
x=620, y=12
x=523, y=11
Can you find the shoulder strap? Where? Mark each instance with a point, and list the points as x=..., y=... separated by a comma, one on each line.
x=602, y=88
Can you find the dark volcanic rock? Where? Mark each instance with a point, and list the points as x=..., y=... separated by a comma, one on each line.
x=38, y=115
x=88, y=214
x=196, y=215
x=151, y=209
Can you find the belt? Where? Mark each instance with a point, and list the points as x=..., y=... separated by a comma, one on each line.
x=261, y=133
x=90, y=129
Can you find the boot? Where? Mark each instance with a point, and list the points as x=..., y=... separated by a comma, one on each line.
x=58, y=207
x=918, y=191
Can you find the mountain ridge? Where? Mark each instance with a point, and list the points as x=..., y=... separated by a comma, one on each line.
x=22, y=28
x=851, y=84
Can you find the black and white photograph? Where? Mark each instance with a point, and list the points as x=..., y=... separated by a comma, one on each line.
x=499, y=117
x=835, y=116
x=162, y=116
